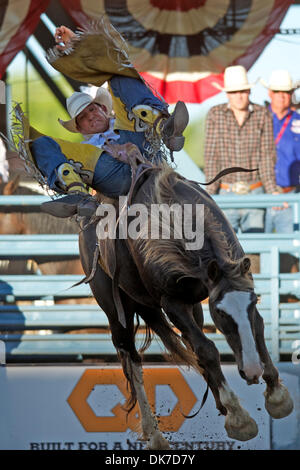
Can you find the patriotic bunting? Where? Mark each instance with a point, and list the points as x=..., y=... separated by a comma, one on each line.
x=182, y=46
x=179, y=46
x=18, y=20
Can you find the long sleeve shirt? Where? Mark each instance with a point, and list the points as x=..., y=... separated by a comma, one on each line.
x=287, y=169
x=249, y=146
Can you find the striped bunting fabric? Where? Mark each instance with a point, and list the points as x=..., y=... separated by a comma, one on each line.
x=179, y=46
x=18, y=20
x=182, y=46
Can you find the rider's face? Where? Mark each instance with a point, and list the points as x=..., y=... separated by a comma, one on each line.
x=93, y=119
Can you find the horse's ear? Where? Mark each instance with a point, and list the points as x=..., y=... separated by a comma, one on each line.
x=245, y=265
x=213, y=271
x=11, y=186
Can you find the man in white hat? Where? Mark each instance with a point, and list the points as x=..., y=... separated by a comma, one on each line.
x=137, y=110
x=239, y=133
x=286, y=127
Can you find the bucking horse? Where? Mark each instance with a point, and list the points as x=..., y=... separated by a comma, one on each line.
x=146, y=266
x=163, y=281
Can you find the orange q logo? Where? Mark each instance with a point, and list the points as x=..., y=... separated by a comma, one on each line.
x=120, y=421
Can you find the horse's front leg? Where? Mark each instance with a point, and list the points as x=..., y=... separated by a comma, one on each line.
x=199, y=319
x=278, y=402
x=238, y=423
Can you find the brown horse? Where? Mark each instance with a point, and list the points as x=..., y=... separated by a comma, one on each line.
x=163, y=282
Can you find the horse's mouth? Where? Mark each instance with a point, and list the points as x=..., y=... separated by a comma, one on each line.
x=255, y=380
x=250, y=381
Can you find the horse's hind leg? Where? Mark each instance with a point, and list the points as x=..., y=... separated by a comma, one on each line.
x=278, y=402
x=123, y=340
x=238, y=424
x=150, y=430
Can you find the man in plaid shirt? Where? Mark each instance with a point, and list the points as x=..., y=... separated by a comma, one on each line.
x=240, y=133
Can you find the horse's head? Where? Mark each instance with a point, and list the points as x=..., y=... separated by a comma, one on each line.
x=234, y=313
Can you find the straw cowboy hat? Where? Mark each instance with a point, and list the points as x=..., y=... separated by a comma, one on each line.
x=235, y=79
x=280, y=80
x=79, y=101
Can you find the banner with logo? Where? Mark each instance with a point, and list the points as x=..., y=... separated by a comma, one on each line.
x=81, y=408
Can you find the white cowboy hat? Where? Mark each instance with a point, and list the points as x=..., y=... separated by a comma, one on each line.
x=235, y=79
x=280, y=80
x=79, y=101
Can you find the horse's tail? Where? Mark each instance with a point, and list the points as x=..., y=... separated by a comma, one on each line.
x=148, y=337
x=174, y=344
x=227, y=171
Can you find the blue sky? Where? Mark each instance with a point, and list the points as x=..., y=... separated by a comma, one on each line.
x=281, y=53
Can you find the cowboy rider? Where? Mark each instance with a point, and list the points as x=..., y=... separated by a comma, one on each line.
x=136, y=109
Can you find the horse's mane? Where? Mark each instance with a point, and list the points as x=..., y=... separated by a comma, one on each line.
x=170, y=256
x=39, y=222
x=229, y=257
x=221, y=242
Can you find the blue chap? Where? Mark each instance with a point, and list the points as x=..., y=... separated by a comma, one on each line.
x=111, y=177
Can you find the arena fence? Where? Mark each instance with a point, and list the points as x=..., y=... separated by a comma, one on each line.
x=34, y=327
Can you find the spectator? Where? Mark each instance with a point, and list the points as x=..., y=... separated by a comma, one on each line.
x=286, y=126
x=239, y=133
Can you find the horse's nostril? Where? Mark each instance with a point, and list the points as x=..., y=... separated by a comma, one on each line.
x=249, y=380
x=250, y=375
x=253, y=372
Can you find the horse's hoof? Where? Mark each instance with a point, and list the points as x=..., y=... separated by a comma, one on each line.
x=279, y=404
x=240, y=429
x=158, y=442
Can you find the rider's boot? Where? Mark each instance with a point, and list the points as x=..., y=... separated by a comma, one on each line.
x=77, y=201
x=170, y=128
